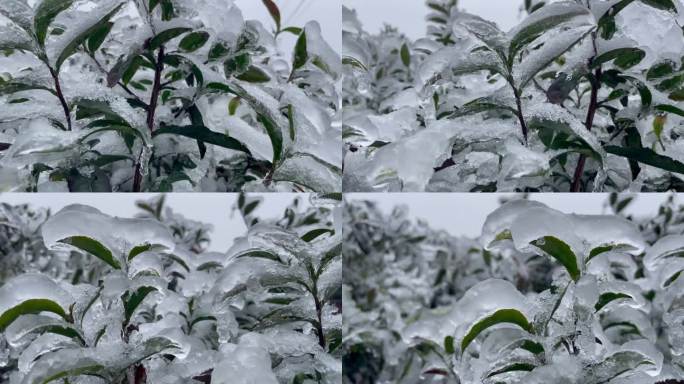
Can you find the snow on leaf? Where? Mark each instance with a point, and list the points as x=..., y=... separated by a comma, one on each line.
x=31, y=293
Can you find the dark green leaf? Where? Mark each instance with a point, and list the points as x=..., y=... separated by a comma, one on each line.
x=314, y=233
x=293, y=30
x=560, y=251
x=300, y=53
x=275, y=135
x=132, y=302
x=46, y=12
x=607, y=297
x=514, y=367
x=203, y=134
x=233, y=105
x=93, y=247
x=254, y=74
x=98, y=37
x=71, y=48
x=512, y=316
x=667, y=5
x=648, y=156
x=30, y=307
x=194, y=41
x=449, y=345
x=165, y=36
x=405, y=55
x=623, y=57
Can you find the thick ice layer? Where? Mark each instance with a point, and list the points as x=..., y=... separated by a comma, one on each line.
x=481, y=300
x=657, y=255
x=243, y=365
x=32, y=286
x=119, y=235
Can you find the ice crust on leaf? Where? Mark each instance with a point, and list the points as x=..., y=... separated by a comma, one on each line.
x=481, y=300
x=243, y=365
x=118, y=235
x=31, y=293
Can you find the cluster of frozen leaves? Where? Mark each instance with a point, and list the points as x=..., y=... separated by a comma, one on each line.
x=582, y=95
x=540, y=297
x=164, y=95
x=164, y=310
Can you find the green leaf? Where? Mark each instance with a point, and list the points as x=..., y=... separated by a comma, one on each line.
x=203, y=134
x=138, y=250
x=30, y=306
x=165, y=36
x=194, y=41
x=290, y=119
x=532, y=30
x=607, y=297
x=314, y=233
x=514, y=367
x=274, y=11
x=293, y=30
x=98, y=37
x=233, y=105
x=275, y=135
x=300, y=53
x=354, y=62
x=46, y=12
x=17, y=85
x=93, y=247
x=405, y=55
x=660, y=70
x=259, y=254
x=670, y=109
x=624, y=58
x=91, y=370
x=560, y=251
x=512, y=316
x=649, y=157
x=254, y=74
x=71, y=48
x=449, y=345
x=132, y=302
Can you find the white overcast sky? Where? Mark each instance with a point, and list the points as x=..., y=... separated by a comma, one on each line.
x=328, y=13
x=463, y=214
x=212, y=208
x=409, y=15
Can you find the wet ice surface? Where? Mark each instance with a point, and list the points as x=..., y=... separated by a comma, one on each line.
x=599, y=304
x=152, y=300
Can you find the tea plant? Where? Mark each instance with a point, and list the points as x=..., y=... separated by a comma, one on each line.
x=164, y=95
x=159, y=308
x=540, y=297
x=582, y=95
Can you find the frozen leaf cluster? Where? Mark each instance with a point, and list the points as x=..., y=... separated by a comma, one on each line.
x=540, y=296
x=580, y=96
x=160, y=308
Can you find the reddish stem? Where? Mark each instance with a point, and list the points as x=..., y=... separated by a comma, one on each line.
x=589, y=123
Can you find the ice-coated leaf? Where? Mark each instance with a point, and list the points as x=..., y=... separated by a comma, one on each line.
x=45, y=13
x=193, y=41
x=543, y=20
x=118, y=236
x=243, y=365
x=274, y=11
x=204, y=134
x=624, y=58
x=649, y=157
x=134, y=299
x=665, y=248
x=31, y=293
x=164, y=36
x=79, y=35
x=511, y=316
x=93, y=247
x=301, y=56
x=28, y=324
x=560, y=251
x=19, y=12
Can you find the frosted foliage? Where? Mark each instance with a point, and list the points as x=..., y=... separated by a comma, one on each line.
x=579, y=96
x=123, y=95
x=119, y=235
x=118, y=298
x=597, y=300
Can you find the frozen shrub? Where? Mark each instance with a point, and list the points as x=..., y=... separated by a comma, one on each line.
x=162, y=309
x=582, y=95
x=164, y=95
x=540, y=297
